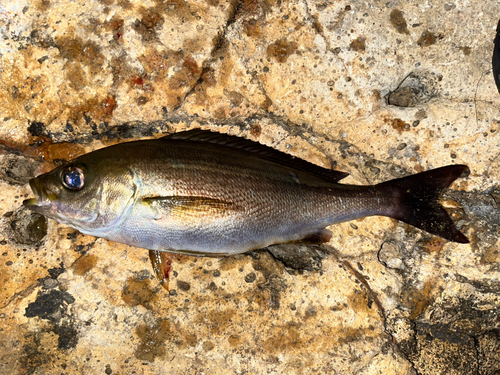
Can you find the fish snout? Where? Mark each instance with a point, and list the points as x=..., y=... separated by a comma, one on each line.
x=43, y=196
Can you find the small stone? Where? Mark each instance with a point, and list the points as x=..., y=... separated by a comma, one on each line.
x=250, y=278
x=184, y=286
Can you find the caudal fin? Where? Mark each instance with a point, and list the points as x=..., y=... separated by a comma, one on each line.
x=417, y=201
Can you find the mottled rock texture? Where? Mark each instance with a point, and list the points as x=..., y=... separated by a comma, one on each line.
x=379, y=89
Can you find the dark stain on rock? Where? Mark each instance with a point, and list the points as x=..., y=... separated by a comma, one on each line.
x=268, y=293
x=428, y=38
x=36, y=128
x=115, y=24
x=316, y=24
x=51, y=305
x=76, y=75
x=255, y=130
x=33, y=356
x=150, y=20
x=234, y=340
x=360, y=301
x=138, y=292
x=16, y=169
x=466, y=50
x=348, y=335
x=488, y=347
x=266, y=103
x=358, y=44
x=84, y=264
x=41, y=38
x=443, y=350
x=284, y=338
x=491, y=255
x=418, y=300
x=189, y=73
x=141, y=100
x=433, y=245
x=292, y=337
x=126, y=131
x=311, y=311
x=152, y=341
x=398, y=124
x=219, y=321
x=208, y=77
x=156, y=63
x=68, y=336
x=398, y=21
x=281, y=49
x=101, y=110
x=27, y=227
x=253, y=27
x=208, y=345
x=42, y=5
x=483, y=286
x=421, y=114
x=87, y=53
x=45, y=150
x=409, y=345
x=299, y=257
x=56, y=271
x=234, y=97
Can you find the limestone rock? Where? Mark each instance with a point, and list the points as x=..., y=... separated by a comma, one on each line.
x=377, y=89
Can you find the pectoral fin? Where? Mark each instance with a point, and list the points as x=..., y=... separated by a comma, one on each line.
x=186, y=207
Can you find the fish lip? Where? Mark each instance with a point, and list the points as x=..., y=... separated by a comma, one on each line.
x=33, y=202
x=42, y=197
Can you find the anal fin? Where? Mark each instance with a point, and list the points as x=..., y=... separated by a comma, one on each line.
x=320, y=236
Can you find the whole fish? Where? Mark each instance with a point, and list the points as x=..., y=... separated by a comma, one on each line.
x=205, y=193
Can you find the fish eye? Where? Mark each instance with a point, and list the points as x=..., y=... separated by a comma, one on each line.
x=73, y=178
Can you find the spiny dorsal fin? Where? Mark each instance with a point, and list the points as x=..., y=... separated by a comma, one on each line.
x=257, y=149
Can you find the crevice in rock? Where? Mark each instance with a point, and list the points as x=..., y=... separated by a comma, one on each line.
x=360, y=277
x=218, y=44
x=316, y=25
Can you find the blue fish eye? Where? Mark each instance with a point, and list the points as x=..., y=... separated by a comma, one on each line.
x=73, y=178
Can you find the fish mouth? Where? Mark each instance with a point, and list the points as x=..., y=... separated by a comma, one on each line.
x=42, y=198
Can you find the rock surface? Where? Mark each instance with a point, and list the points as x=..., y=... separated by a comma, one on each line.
x=376, y=89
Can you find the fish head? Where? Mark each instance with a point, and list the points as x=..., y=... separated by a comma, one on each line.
x=89, y=194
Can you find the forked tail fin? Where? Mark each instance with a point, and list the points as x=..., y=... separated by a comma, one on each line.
x=416, y=201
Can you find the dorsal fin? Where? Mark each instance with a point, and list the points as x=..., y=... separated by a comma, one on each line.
x=257, y=149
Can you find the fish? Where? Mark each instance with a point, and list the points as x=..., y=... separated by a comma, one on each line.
x=495, y=60
x=205, y=193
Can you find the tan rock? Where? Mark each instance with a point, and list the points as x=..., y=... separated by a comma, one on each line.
x=376, y=89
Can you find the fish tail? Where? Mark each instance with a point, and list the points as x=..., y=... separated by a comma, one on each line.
x=416, y=201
